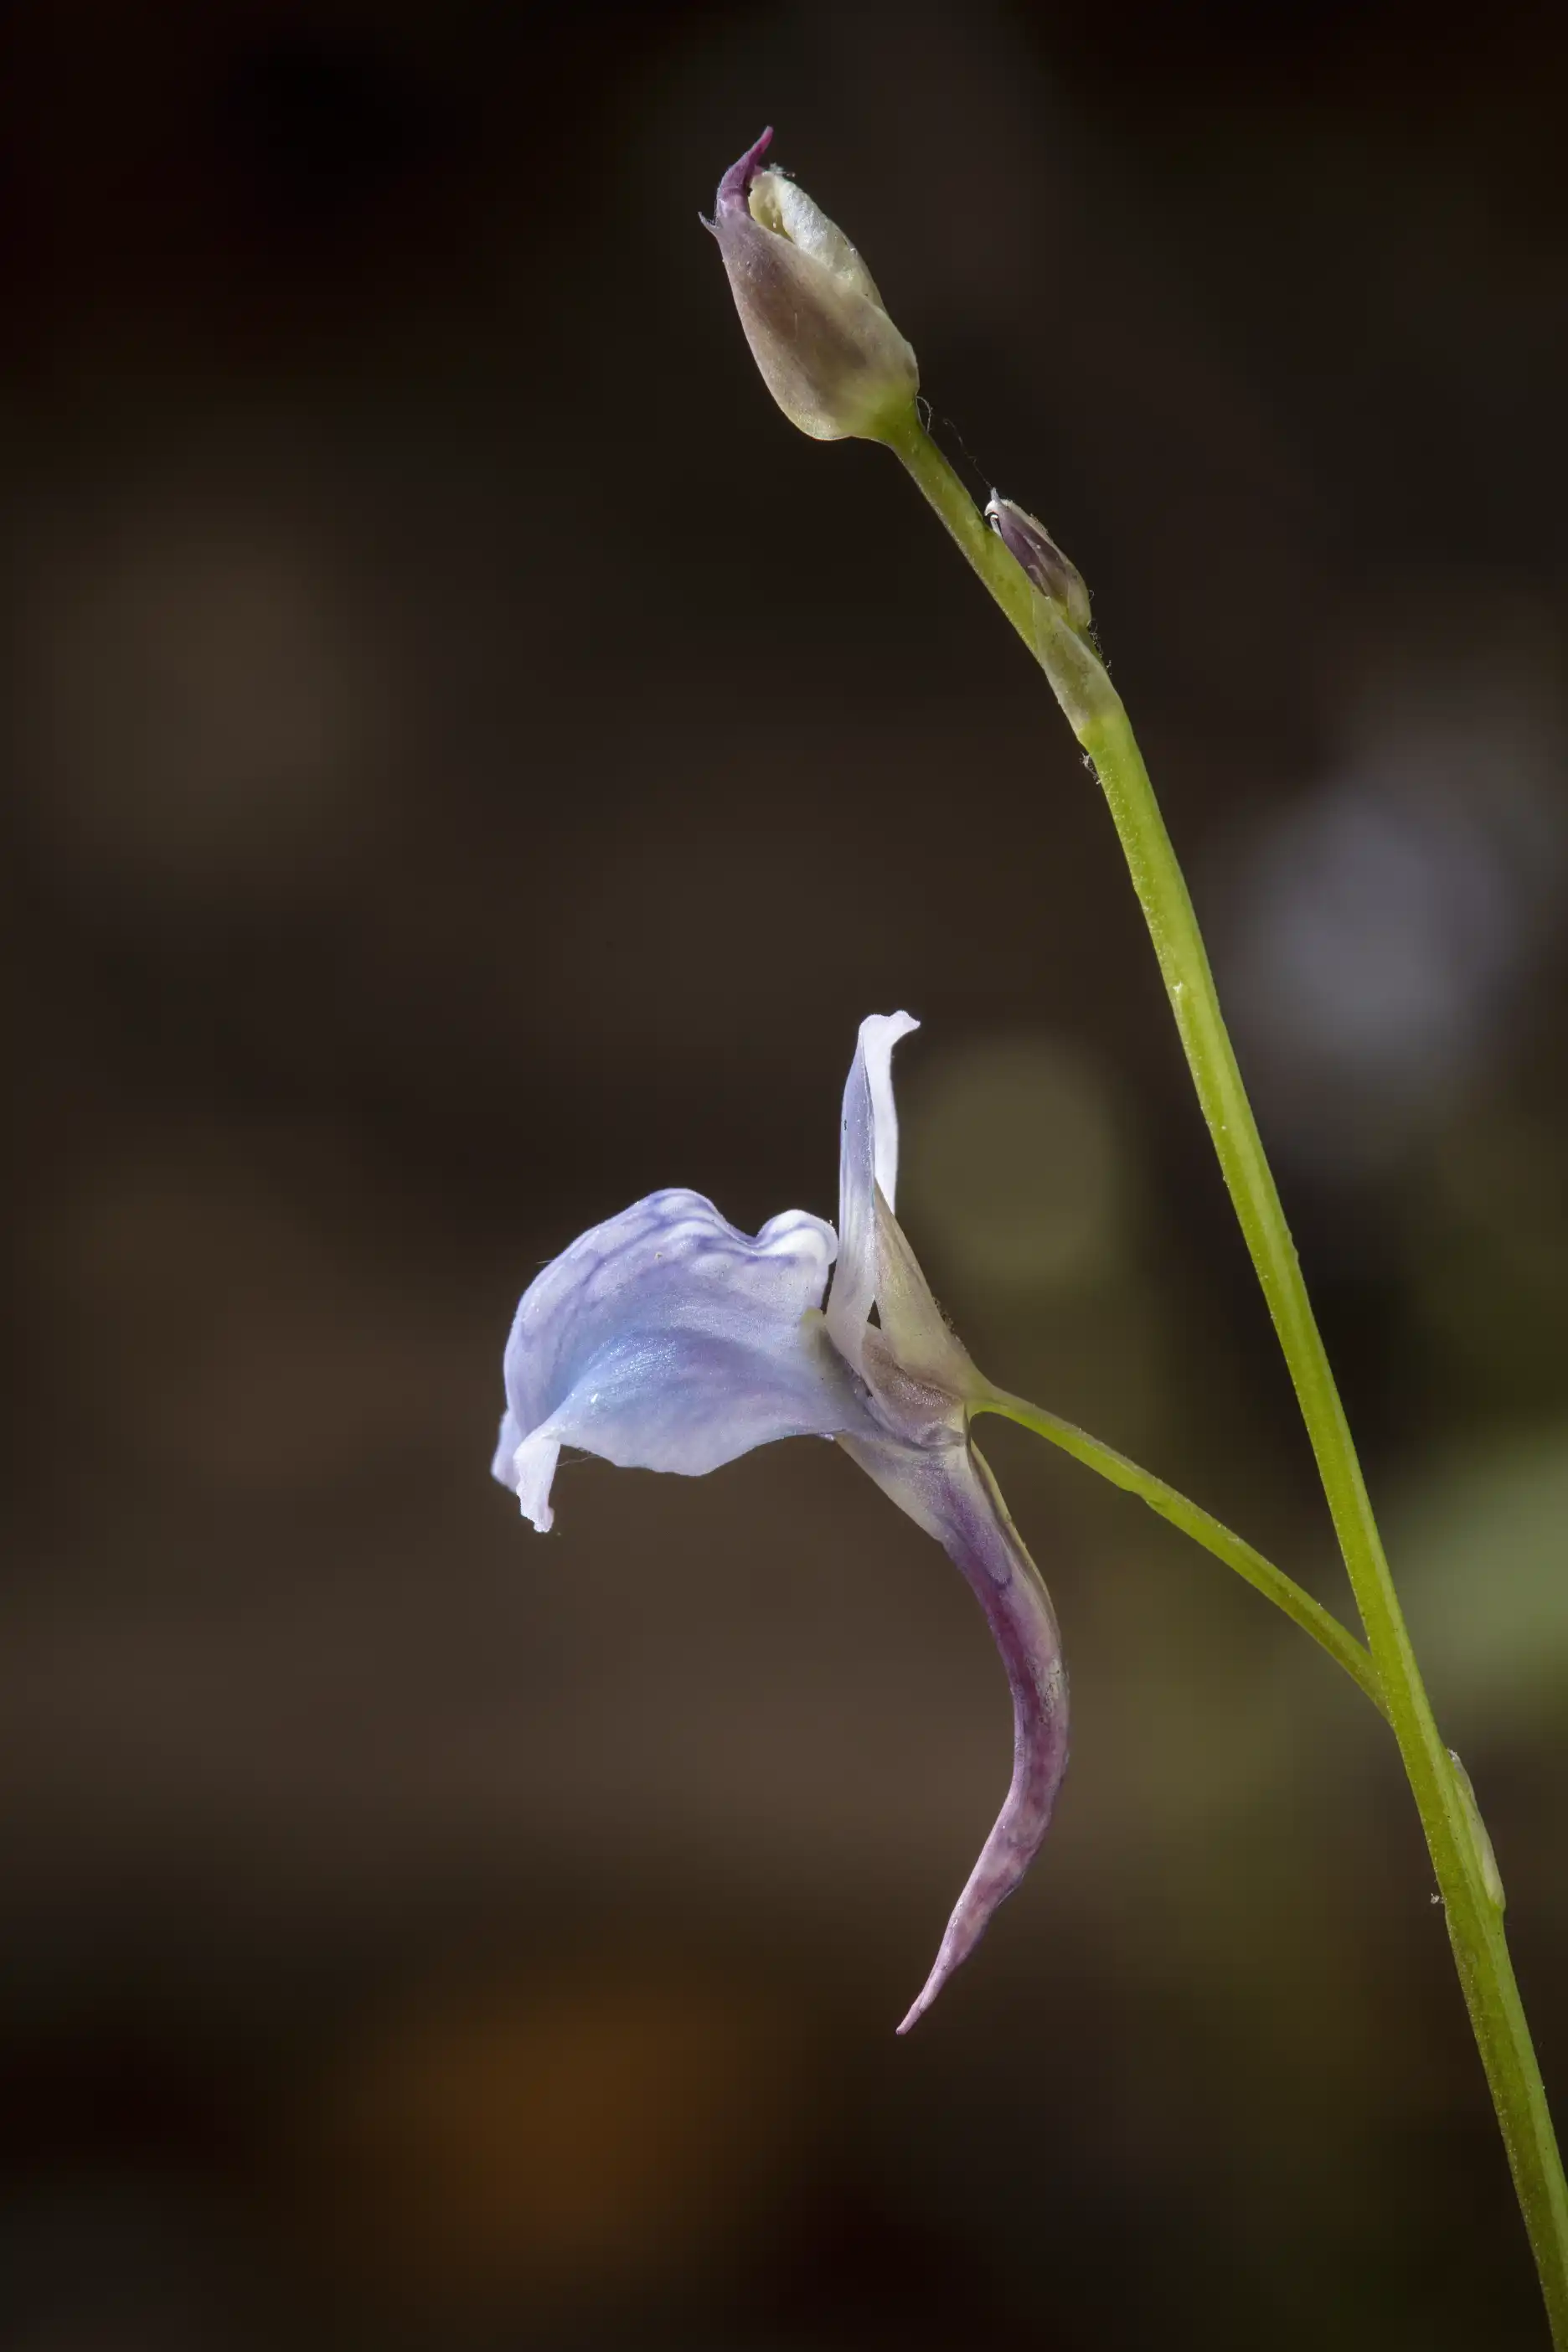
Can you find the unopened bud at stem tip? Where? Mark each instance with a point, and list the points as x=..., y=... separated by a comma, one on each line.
x=826, y=348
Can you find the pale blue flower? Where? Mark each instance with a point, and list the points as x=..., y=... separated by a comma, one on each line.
x=665, y=1340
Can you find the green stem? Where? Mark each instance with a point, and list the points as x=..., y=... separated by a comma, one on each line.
x=1096, y=715
x=1233, y=1549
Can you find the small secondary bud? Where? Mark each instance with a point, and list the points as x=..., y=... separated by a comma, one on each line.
x=1031, y=546
x=828, y=353
x=1491, y=1877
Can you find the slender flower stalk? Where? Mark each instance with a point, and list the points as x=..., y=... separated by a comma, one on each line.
x=1204, y=1528
x=1454, y=1834
x=1042, y=596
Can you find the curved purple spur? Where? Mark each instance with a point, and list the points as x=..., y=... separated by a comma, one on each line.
x=665, y=1340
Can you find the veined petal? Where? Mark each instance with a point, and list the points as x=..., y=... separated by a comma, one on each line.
x=950, y=1491
x=867, y=1161
x=666, y=1339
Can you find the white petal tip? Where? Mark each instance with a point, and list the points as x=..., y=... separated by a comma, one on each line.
x=534, y=1466
x=881, y=1032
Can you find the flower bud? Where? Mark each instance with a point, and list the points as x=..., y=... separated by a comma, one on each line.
x=828, y=352
x=1031, y=546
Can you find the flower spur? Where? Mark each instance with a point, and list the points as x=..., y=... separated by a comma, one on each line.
x=665, y=1340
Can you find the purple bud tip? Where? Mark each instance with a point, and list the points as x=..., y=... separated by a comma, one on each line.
x=736, y=184
x=1032, y=549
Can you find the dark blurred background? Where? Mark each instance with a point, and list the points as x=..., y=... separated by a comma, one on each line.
x=472, y=763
